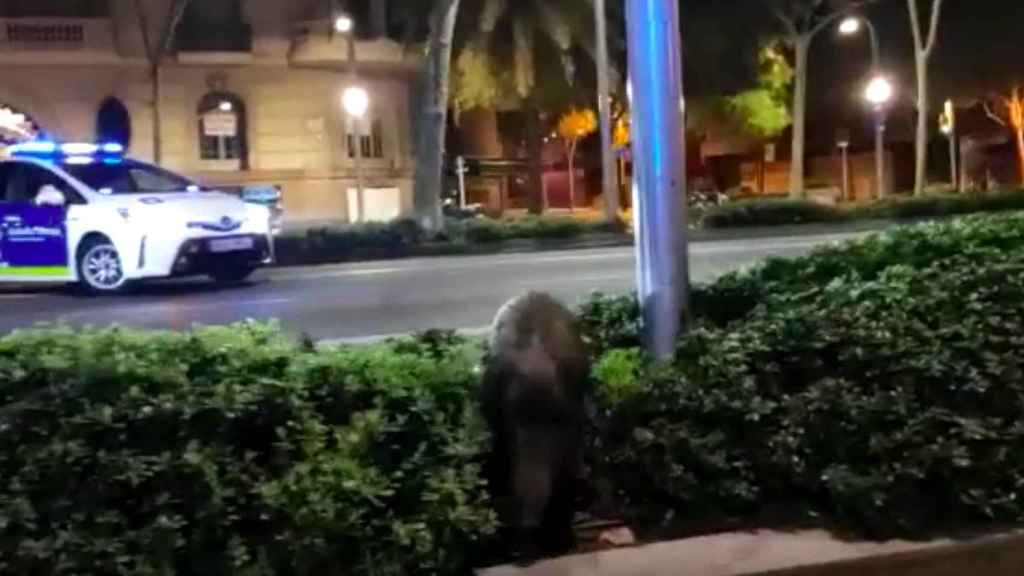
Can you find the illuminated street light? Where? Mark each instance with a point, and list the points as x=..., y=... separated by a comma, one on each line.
x=879, y=91
x=850, y=26
x=343, y=24
x=356, y=101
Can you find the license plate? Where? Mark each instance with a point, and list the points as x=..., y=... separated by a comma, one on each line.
x=231, y=244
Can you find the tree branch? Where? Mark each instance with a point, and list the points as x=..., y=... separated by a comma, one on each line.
x=915, y=25
x=147, y=43
x=828, y=20
x=933, y=30
x=991, y=114
x=786, y=20
x=175, y=12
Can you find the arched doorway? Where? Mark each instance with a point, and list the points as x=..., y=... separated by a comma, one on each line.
x=113, y=122
x=16, y=125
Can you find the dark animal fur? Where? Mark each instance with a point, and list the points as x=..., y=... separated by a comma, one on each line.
x=533, y=399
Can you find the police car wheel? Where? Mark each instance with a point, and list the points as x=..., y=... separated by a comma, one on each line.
x=99, y=268
x=231, y=274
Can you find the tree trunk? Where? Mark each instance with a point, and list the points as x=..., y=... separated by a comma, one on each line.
x=156, y=76
x=434, y=117
x=537, y=201
x=802, y=47
x=609, y=186
x=572, y=176
x=921, y=140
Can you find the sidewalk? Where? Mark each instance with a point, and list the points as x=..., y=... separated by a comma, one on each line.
x=806, y=553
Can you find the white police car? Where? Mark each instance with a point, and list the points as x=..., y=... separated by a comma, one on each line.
x=84, y=213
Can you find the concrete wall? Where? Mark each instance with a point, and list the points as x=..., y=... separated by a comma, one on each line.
x=772, y=178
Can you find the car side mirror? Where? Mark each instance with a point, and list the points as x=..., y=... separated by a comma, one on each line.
x=50, y=195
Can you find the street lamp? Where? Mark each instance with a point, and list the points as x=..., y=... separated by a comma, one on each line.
x=879, y=92
x=849, y=26
x=356, y=102
x=343, y=24
x=947, y=125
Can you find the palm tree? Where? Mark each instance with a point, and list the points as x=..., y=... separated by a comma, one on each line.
x=518, y=42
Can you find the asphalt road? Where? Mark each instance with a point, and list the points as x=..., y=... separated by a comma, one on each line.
x=368, y=300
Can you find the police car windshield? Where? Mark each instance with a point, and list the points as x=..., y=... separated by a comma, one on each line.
x=128, y=177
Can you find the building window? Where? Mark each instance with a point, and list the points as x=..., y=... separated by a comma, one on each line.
x=370, y=139
x=214, y=26
x=55, y=9
x=222, y=129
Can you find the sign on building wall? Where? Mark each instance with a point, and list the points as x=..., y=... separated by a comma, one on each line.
x=220, y=124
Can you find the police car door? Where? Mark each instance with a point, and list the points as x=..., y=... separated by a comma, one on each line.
x=33, y=232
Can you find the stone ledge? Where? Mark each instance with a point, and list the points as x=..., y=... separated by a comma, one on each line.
x=806, y=553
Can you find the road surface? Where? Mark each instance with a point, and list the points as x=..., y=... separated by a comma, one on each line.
x=364, y=301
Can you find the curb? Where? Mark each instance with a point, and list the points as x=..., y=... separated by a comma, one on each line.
x=806, y=553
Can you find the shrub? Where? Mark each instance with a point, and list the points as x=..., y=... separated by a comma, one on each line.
x=776, y=212
x=609, y=322
x=746, y=213
x=943, y=205
x=734, y=295
x=879, y=384
x=235, y=451
x=328, y=245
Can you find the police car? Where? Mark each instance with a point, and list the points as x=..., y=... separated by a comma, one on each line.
x=80, y=212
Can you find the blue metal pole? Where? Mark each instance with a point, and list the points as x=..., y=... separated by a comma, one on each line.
x=659, y=168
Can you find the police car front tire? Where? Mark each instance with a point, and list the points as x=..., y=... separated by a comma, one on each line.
x=99, y=267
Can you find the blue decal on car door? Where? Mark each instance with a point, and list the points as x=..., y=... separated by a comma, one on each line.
x=33, y=242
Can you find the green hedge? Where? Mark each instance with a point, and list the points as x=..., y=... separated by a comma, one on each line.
x=777, y=212
x=236, y=451
x=403, y=238
x=488, y=230
x=734, y=295
x=343, y=244
x=878, y=385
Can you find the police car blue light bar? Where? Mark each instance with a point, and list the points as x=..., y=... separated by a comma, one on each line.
x=34, y=147
x=71, y=149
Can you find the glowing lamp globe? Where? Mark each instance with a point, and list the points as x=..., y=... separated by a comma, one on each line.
x=355, y=101
x=879, y=91
x=849, y=26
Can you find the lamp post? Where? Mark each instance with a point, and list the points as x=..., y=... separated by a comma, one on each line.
x=850, y=27
x=659, y=183
x=356, y=101
x=947, y=124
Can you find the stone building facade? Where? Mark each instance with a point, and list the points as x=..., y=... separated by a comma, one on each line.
x=250, y=95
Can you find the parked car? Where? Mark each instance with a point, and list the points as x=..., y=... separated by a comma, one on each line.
x=84, y=213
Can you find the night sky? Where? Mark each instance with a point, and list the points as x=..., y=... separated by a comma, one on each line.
x=981, y=47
